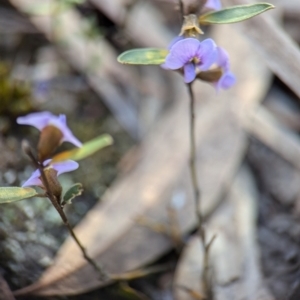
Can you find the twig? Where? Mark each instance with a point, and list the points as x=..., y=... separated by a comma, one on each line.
x=56, y=204
x=197, y=196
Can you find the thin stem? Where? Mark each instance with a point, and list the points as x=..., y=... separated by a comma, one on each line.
x=193, y=168
x=56, y=204
x=197, y=196
x=181, y=8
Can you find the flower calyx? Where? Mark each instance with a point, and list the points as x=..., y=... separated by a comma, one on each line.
x=190, y=26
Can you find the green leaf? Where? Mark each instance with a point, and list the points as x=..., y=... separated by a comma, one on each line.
x=12, y=194
x=234, y=14
x=87, y=149
x=144, y=56
x=74, y=191
x=52, y=8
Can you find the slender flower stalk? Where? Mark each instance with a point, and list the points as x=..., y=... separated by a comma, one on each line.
x=205, y=280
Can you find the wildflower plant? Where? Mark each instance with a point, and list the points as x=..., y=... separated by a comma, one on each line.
x=53, y=132
x=198, y=59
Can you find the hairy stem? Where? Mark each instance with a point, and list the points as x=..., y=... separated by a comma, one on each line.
x=197, y=196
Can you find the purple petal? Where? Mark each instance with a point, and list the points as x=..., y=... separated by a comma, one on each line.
x=174, y=41
x=223, y=59
x=181, y=53
x=65, y=166
x=60, y=167
x=226, y=81
x=38, y=120
x=42, y=119
x=207, y=54
x=189, y=72
x=60, y=123
x=213, y=4
x=33, y=179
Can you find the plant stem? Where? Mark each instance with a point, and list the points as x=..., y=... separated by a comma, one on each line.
x=181, y=8
x=197, y=196
x=99, y=269
x=56, y=204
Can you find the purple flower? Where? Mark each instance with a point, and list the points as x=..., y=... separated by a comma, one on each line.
x=227, y=79
x=213, y=4
x=60, y=167
x=41, y=120
x=190, y=53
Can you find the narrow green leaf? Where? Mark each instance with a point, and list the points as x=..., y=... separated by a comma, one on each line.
x=87, y=149
x=74, y=191
x=144, y=56
x=12, y=194
x=52, y=8
x=234, y=14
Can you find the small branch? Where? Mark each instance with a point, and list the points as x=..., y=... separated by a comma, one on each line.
x=197, y=196
x=56, y=204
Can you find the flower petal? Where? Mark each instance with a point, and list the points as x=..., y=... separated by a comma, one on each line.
x=213, y=4
x=65, y=166
x=207, y=54
x=226, y=81
x=60, y=167
x=181, y=53
x=33, y=179
x=189, y=72
x=223, y=59
x=38, y=120
x=174, y=41
x=61, y=123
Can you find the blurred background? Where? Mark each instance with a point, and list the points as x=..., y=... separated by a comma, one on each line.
x=61, y=56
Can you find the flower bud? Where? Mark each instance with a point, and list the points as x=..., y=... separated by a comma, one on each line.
x=54, y=184
x=50, y=139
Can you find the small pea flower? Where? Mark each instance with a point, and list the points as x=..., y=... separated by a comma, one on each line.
x=41, y=120
x=59, y=167
x=190, y=54
x=213, y=4
x=54, y=131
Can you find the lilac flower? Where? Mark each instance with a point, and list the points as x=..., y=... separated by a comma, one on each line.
x=227, y=79
x=60, y=167
x=213, y=4
x=41, y=120
x=190, y=53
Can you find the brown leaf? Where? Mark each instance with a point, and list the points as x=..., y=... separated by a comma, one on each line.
x=233, y=254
